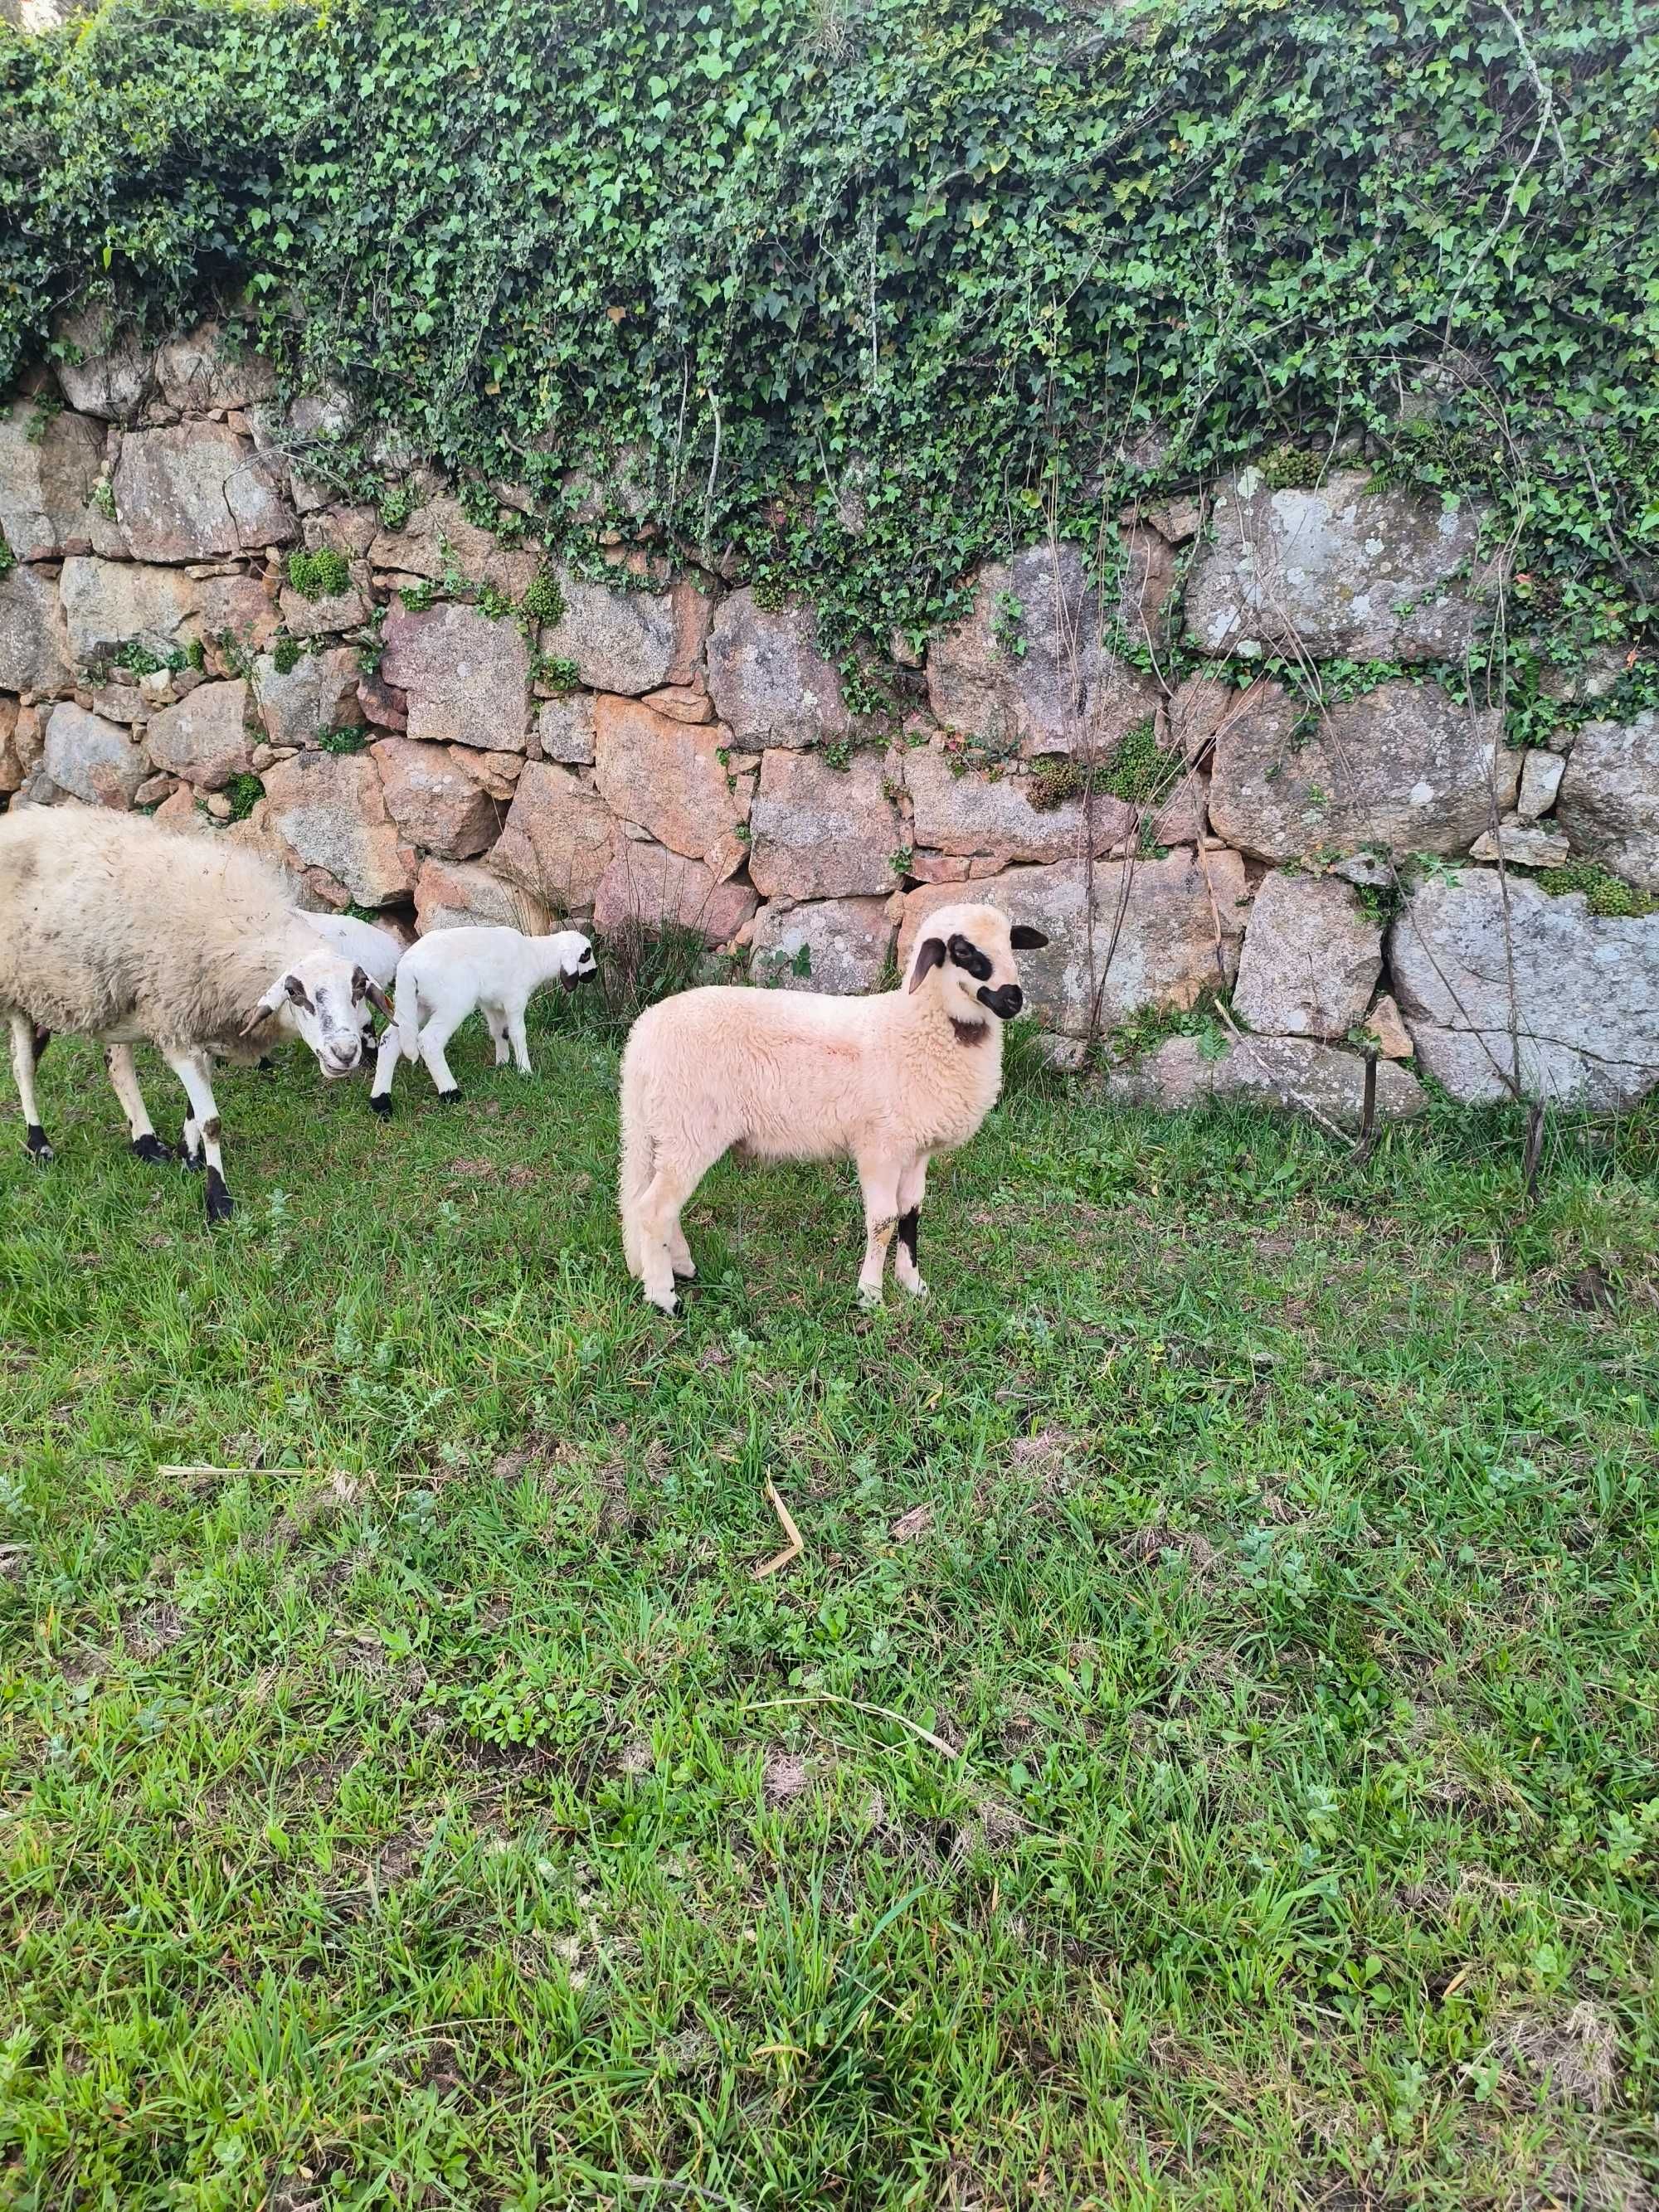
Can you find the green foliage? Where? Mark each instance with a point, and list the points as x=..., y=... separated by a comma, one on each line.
x=44, y=410
x=557, y=670
x=344, y=740
x=1139, y=772
x=138, y=660
x=322, y=574
x=543, y=602
x=1150, y=1026
x=7, y=558
x=103, y=497
x=1008, y=625
x=863, y=296
x=286, y=654
x=244, y=792
x=418, y=597
x=1294, y=468
x=396, y=506
x=1604, y=893
x=495, y=604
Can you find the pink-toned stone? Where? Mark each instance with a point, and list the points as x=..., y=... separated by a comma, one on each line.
x=564, y=727
x=466, y=895
x=434, y=794
x=845, y=942
x=34, y=647
x=384, y=706
x=92, y=760
x=48, y=467
x=325, y=616
x=204, y=739
x=319, y=693
x=438, y=540
x=649, y=886
x=770, y=682
x=330, y=812
x=681, y=702
x=188, y=493
x=178, y=812
x=666, y=776
x=237, y=607
x=822, y=832
x=938, y=867
x=559, y=838
x=972, y=812
x=467, y=678
x=1386, y=1024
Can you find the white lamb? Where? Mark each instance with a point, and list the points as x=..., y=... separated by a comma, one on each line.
x=886, y=1081
x=443, y=977
x=113, y=928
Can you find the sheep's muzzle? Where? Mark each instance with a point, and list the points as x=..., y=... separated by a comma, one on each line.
x=1004, y=1004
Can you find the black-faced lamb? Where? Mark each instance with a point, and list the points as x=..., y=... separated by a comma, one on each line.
x=112, y=928
x=444, y=977
x=887, y=1081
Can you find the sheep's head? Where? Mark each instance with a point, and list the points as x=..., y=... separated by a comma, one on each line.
x=972, y=949
x=575, y=958
x=323, y=998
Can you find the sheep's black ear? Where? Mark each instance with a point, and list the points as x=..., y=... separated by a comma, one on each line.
x=966, y=954
x=298, y=995
x=1024, y=939
x=930, y=954
x=363, y=986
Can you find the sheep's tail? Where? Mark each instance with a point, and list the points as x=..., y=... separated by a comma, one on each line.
x=638, y=1160
x=405, y=1004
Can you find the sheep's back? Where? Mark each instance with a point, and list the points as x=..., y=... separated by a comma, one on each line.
x=106, y=919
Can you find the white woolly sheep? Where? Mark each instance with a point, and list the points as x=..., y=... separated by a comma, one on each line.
x=113, y=928
x=444, y=977
x=886, y=1081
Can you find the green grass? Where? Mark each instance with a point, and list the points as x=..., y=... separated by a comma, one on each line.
x=411, y=1798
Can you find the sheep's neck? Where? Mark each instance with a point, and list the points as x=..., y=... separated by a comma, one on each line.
x=969, y=1033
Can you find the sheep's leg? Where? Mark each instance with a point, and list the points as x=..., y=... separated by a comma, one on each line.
x=913, y=1185
x=124, y=1081
x=22, y=1068
x=388, y=1053
x=497, y=1022
x=880, y=1180
x=434, y=1037
x=193, y=1070
x=661, y=1242
x=521, y=1042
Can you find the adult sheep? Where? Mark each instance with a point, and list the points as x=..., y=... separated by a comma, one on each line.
x=113, y=928
x=887, y=1081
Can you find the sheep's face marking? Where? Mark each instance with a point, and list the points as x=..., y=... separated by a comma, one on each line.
x=324, y=1000
x=973, y=948
x=583, y=965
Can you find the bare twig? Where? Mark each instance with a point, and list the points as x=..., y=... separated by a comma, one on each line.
x=792, y=1550
x=863, y=1705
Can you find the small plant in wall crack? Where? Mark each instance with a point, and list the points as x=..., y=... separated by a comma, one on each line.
x=557, y=670
x=322, y=573
x=543, y=602
x=1008, y=625
x=244, y=792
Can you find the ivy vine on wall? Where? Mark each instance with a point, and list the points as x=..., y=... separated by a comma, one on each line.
x=862, y=290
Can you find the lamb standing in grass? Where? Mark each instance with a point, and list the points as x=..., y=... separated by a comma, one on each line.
x=441, y=980
x=113, y=928
x=886, y=1081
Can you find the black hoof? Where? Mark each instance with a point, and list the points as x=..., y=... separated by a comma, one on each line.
x=194, y=1161
x=34, y=1140
x=382, y=1105
x=449, y=1098
x=220, y=1204
x=152, y=1149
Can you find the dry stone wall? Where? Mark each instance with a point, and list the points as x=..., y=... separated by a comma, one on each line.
x=390, y=726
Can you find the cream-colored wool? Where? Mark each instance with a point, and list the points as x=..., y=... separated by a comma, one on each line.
x=113, y=928
x=887, y=1081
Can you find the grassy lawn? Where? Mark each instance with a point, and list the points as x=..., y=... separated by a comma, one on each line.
x=410, y=1797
